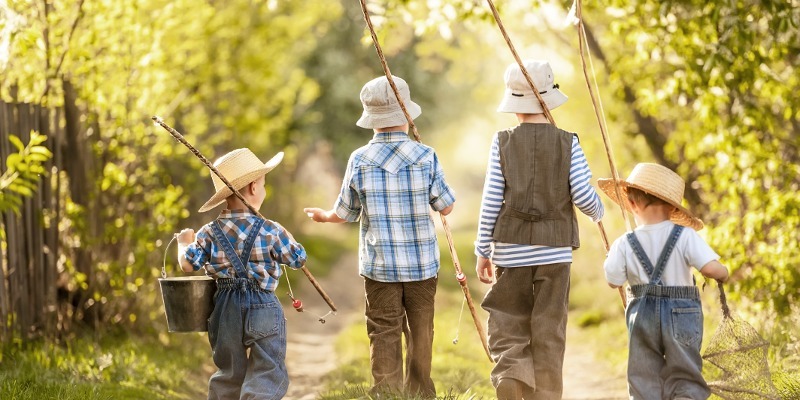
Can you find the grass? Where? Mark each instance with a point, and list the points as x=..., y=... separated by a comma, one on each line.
x=118, y=366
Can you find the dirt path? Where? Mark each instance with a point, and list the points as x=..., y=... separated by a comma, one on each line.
x=586, y=378
x=311, y=354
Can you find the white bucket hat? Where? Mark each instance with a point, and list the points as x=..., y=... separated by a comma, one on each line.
x=239, y=167
x=519, y=97
x=381, y=109
x=658, y=181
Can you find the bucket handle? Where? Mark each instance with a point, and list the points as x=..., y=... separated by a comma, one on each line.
x=164, y=266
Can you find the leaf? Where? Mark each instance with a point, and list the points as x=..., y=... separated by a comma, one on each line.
x=16, y=142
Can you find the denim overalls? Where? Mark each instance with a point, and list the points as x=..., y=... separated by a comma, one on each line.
x=665, y=329
x=246, y=317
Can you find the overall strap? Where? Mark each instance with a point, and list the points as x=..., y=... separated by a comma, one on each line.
x=237, y=261
x=667, y=251
x=641, y=255
x=251, y=240
x=654, y=273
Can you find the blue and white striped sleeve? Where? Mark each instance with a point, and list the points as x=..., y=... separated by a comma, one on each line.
x=491, y=201
x=583, y=193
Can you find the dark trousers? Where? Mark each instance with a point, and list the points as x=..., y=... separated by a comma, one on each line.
x=527, y=327
x=394, y=309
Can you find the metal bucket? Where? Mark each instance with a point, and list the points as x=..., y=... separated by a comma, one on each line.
x=188, y=302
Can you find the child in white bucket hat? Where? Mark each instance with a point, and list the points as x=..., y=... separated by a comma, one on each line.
x=243, y=252
x=528, y=228
x=664, y=314
x=391, y=185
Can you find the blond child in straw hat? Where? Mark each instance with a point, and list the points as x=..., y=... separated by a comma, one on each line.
x=664, y=314
x=390, y=186
x=243, y=252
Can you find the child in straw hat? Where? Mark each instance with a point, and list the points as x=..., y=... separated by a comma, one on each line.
x=243, y=252
x=664, y=314
x=528, y=228
x=390, y=185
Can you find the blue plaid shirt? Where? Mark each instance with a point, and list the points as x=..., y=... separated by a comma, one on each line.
x=391, y=184
x=272, y=248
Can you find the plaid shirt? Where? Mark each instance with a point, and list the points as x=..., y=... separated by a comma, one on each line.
x=272, y=247
x=390, y=185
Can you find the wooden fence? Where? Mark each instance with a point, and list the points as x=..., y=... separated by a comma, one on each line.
x=30, y=248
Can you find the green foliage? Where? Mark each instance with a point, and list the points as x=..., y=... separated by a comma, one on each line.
x=23, y=171
x=724, y=92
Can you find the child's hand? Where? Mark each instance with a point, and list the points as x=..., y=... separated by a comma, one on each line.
x=320, y=215
x=186, y=236
x=317, y=214
x=483, y=267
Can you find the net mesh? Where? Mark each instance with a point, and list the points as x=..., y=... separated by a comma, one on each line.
x=740, y=353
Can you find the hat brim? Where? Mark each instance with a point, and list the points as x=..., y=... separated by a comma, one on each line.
x=681, y=215
x=527, y=103
x=240, y=182
x=394, y=118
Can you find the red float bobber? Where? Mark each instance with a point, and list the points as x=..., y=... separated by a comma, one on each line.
x=298, y=305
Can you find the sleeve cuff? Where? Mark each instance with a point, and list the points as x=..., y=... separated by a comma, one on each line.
x=443, y=201
x=347, y=213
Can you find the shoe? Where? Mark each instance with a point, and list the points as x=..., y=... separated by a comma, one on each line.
x=509, y=389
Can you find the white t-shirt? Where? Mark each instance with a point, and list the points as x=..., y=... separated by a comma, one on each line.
x=690, y=251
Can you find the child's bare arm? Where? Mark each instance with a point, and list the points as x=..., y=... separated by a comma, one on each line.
x=185, y=238
x=320, y=215
x=715, y=270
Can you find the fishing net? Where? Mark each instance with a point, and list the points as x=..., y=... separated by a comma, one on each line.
x=740, y=353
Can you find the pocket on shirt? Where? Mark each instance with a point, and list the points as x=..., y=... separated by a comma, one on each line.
x=263, y=320
x=687, y=326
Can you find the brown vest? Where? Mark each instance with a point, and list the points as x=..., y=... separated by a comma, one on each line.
x=537, y=207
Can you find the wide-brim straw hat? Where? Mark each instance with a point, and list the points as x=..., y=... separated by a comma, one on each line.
x=240, y=167
x=381, y=109
x=519, y=97
x=658, y=181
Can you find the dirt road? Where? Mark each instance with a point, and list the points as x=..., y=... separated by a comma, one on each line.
x=311, y=355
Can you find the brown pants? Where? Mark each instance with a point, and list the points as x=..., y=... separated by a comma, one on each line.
x=527, y=327
x=393, y=309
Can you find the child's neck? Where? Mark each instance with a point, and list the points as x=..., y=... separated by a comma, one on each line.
x=653, y=214
x=236, y=204
x=400, y=128
x=532, y=118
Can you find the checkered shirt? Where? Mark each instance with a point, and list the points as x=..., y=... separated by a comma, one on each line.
x=271, y=248
x=390, y=185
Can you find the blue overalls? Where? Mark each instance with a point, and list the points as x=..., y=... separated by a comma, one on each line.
x=246, y=317
x=665, y=330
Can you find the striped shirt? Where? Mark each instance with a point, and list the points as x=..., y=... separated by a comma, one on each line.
x=517, y=255
x=390, y=185
x=271, y=248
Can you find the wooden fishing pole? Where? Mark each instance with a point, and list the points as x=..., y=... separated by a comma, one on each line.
x=598, y=109
x=549, y=116
x=177, y=135
x=460, y=277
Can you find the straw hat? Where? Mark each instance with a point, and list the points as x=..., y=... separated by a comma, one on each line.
x=240, y=167
x=381, y=109
x=519, y=97
x=658, y=181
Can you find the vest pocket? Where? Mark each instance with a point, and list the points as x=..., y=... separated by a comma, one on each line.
x=687, y=326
